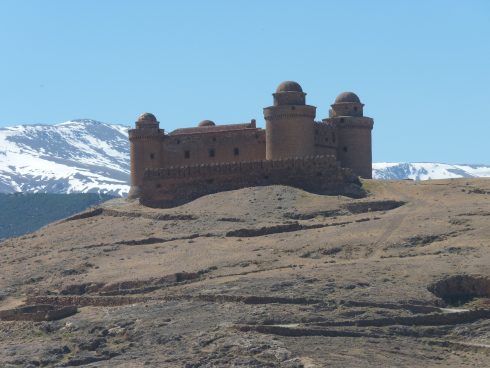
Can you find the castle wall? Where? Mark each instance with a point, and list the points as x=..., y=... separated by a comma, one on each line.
x=168, y=187
x=325, y=139
x=212, y=147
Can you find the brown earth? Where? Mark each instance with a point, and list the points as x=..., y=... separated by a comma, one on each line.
x=258, y=277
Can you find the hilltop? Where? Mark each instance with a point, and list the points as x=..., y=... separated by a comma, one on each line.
x=265, y=276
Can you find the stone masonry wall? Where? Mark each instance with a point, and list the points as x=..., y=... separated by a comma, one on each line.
x=168, y=187
x=212, y=147
x=325, y=139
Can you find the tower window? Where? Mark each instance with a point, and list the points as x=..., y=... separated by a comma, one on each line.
x=333, y=137
x=236, y=151
x=211, y=152
x=355, y=108
x=187, y=154
x=345, y=148
x=341, y=120
x=214, y=139
x=152, y=156
x=178, y=141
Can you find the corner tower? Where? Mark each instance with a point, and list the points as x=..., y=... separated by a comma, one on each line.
x=353, y=132
x=289, y=123
x=145, y=150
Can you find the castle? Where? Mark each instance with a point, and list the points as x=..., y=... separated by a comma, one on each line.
x=168, y=169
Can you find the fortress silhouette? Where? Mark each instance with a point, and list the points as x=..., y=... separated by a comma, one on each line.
x=294, y=149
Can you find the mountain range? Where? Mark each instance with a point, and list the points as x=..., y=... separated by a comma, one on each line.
x=89, y=156
x=427, y=171
x=75, y=156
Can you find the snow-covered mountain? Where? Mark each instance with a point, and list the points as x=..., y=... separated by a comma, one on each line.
x=75, y=156
x=427, y=171
x=90, y=156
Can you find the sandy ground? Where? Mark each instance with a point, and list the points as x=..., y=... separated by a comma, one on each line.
x=260, y=277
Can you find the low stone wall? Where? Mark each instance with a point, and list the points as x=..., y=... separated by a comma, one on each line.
x=87, y=301
x=174, y=186
x=37, y=313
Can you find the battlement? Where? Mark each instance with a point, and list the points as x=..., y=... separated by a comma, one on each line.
x=245, y=167
x=168, y=187
x=146, y=133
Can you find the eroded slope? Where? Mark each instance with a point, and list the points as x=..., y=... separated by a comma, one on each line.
x=269, y=276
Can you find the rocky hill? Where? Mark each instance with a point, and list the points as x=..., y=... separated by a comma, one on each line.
x=258, y=277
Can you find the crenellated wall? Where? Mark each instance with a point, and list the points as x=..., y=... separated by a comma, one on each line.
x=168, y=187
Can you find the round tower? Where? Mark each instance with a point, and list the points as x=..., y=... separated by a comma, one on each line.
x=353, y=134
x=289, y=123
x=145, y=150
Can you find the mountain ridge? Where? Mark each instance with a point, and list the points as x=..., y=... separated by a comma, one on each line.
x=81, y=155
x=428, y=170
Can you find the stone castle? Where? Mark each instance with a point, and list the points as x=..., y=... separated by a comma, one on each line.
x=169, y=169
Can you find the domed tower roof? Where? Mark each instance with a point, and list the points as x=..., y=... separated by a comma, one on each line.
x=289, y=93
x=347, y=104
x=206, y=123
x=289, y=86
x=146, y=120
x=347, y=97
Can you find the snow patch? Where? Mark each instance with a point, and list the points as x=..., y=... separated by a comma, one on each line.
x=427, y=171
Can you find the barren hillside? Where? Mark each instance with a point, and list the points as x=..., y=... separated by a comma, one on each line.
x=258, y=277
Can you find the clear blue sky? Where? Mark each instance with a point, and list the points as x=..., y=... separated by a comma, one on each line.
x=421, y=67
